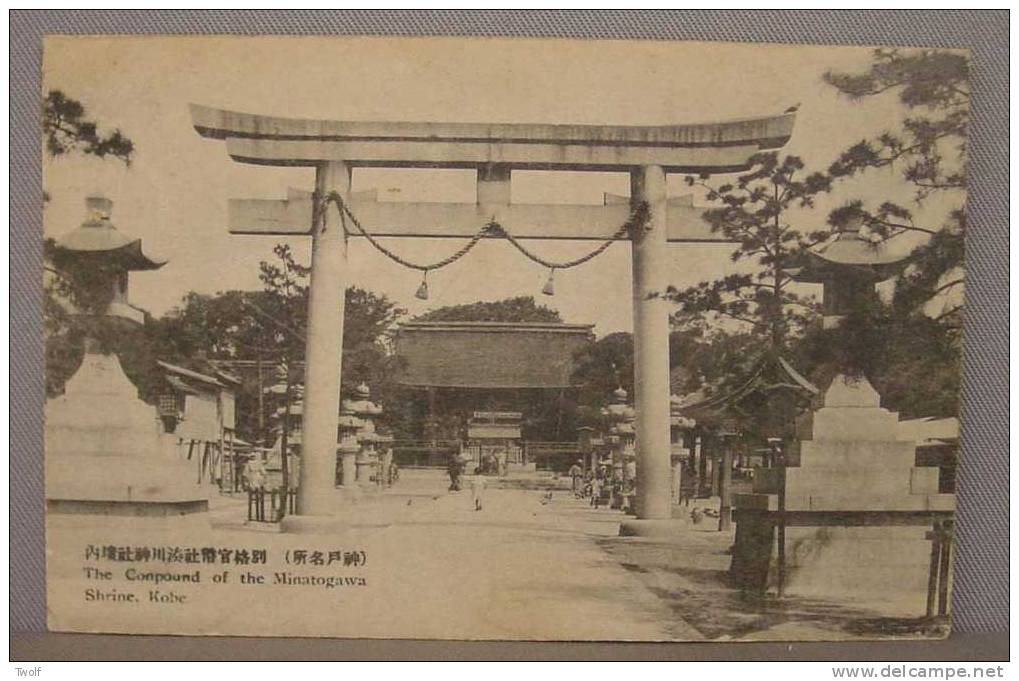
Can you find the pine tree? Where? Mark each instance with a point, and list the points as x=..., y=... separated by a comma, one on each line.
x=929, y=152
x=754, y=211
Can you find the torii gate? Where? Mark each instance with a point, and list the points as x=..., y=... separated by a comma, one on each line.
x=335, y=148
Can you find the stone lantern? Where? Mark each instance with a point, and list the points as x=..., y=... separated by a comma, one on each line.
x=848, y=264
x=348, y=426
x=366, y=459
x=864, y=510
x=684, y=444
x=622, y=437
x=106, y=452
x=728, y=434
x=384, y=444
x=107, y=256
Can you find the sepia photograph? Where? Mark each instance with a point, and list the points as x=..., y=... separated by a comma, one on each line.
x=502, y=339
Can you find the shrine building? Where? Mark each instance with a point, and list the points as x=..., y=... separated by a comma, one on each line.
x=485, y=385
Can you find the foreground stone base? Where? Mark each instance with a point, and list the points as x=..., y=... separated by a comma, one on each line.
x=659, y=528
x=862, y=563
x=157, y=526
x=350, y=494
x=107, y=455
x=856, y=521
x=313, y=524
x=887, y=568
x=323, y=524
x=337, y=519
x=138, y=509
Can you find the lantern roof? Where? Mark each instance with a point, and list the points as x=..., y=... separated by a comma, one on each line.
x=360, y=407
x=853, y=247
x=97, y=237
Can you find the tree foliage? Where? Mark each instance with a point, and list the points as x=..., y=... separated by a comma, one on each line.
x=601, y=367
x=75, y=293
x=66, y=128
x=270, y=325
x=520, y=309
x=696, y=362
x=753, y=212
x=928, y=151
x=909, y=351
x=909, y=359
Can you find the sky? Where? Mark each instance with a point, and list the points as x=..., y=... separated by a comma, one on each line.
x=174, y=194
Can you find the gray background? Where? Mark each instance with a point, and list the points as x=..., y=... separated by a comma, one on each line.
x=980, y=597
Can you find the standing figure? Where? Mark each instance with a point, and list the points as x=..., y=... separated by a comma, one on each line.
x=576, y=473
x=596, y=485
x=454, y=471
x=386, y=467
x=478, y=488
x=255, y=475
x=501, y=457
x=687, y=484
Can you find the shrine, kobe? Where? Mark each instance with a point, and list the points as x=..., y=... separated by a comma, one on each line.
x=648, y=219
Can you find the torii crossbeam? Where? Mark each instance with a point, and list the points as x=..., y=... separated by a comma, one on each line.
x=335, y=148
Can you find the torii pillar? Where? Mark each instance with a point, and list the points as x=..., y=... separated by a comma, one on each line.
x=334, y=148
x=651, y=349
x=323, y=354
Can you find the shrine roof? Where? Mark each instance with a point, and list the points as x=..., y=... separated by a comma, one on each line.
x=767, y=376
x=493, y=355
x=500, y=327
x=188, y=373
x=228, y=377
x=180, y=385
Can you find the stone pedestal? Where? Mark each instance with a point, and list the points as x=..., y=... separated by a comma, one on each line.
x=852, y=521
x=348, y=466
x=367, y=466
x=106, y=453
x=363, y=464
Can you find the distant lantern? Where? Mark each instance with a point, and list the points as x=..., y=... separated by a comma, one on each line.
x=99, y=254
x=848, y=265
x=365, y=457
x=620, y=418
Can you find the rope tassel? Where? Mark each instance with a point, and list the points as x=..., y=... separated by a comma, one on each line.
x=549, y=288
x=422, y=292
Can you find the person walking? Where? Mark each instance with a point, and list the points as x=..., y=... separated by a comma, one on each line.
x=454, y=469
x=576, y=472
x=478, y=488
x=501, y=458
x=687, y=484
x=386, y=476
x=596, y=485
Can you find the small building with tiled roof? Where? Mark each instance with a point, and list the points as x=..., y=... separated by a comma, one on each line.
x=199, y=408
